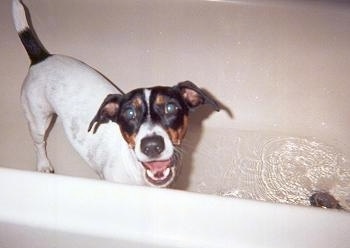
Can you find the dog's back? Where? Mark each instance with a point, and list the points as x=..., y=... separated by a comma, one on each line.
x=57, y=74
x=62, y=85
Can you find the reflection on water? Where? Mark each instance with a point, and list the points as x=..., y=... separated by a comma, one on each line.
x=271, y=168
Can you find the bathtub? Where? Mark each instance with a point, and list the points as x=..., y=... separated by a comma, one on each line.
x=280, y=71
x=60, y=211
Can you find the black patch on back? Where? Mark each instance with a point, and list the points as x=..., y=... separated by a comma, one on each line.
x=36, y=51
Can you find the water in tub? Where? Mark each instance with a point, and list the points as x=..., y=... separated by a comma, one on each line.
x=268, y=166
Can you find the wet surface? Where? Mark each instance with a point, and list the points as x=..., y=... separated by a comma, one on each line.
x=269, y=167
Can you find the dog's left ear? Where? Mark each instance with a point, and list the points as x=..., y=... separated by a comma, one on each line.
x=194, y=96
x=108, y=111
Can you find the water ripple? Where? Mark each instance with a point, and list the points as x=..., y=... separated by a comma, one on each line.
x=287, y=170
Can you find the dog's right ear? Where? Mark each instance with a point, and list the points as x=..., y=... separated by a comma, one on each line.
x=108, y=111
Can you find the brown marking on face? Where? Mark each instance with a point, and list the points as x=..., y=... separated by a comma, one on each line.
x=177, y=135
x=160, y=100
x=130, y=139
x=137, y=102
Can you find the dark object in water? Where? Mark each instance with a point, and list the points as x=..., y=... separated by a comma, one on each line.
x=324, y=200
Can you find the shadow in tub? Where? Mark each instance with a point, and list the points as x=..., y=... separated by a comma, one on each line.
x=192, y=139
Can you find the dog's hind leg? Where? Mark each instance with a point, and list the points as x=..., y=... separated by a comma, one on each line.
x=38, y=130
x=39, y=121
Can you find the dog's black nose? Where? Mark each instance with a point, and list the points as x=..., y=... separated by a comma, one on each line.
x=152, y=146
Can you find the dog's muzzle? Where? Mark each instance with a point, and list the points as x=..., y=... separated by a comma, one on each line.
x=158, y=172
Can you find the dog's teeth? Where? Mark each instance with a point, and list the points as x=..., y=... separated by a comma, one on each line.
x=150, y=174
x=166, y=172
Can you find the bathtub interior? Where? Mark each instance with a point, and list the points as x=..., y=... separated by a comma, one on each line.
x=279, y=69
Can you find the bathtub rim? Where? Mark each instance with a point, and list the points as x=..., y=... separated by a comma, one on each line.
x=249, y=224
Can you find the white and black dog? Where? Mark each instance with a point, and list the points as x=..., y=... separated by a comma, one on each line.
x=129, y=138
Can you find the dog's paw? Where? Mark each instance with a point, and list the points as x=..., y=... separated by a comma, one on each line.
x=46, y=169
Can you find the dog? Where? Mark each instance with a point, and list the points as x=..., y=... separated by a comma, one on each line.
x=131, y=138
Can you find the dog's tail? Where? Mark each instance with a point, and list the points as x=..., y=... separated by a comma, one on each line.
x=36, y=51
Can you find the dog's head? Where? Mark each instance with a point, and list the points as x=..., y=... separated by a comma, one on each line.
x=153, y=122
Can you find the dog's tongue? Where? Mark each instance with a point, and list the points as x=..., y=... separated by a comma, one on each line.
x=157, y=166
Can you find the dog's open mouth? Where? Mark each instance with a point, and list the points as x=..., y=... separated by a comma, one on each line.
x=159, y=173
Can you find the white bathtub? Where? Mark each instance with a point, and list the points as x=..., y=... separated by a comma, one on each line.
x=280, y=67
x=57, y=211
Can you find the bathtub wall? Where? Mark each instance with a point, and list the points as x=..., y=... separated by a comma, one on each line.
x=277, y=66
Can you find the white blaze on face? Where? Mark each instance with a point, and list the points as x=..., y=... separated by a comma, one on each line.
x=147, y=93
x=148, y=129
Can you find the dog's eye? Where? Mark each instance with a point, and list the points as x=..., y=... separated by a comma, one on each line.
x=130, y=114
x=171, y=108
